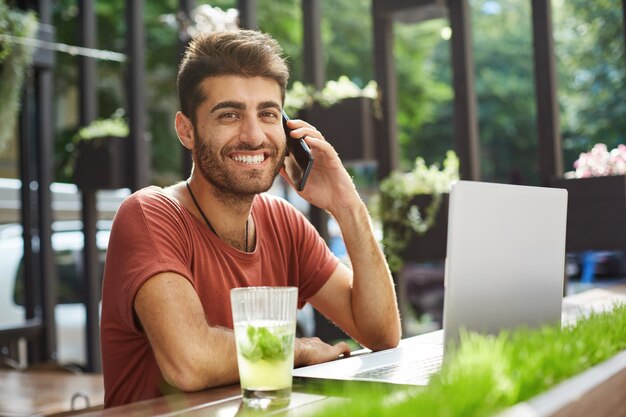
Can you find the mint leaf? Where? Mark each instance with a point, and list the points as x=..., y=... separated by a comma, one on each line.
x=263, y=344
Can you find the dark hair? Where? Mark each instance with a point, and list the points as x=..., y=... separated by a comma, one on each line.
x=235, y=52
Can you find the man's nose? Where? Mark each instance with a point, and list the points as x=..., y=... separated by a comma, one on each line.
x=252, y=131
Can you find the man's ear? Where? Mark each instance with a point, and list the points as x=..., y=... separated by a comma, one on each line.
x=184, y=130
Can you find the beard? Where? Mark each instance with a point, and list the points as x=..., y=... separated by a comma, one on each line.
x=230, y=183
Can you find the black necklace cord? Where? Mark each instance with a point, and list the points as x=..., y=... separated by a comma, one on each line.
x=195, y=202
x=193, y=197
x=246, y=235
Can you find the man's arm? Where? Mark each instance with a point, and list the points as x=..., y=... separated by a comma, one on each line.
x=362, y=301
x=191, y=354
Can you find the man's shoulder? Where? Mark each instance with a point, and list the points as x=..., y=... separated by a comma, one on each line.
x=148, y=199
x=148, y=195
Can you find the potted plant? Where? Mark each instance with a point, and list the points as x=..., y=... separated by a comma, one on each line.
x=596, y=215
x=102, y=155
x=342, y=111
x=412, y=207
x=15, y=58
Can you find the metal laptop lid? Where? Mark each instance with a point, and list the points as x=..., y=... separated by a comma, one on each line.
x=505, y=257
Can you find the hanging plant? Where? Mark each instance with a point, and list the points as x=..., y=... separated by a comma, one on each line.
x=302, y=96
x=101, y=158
x=396, y=206
x=15, y=58
x=114, y=126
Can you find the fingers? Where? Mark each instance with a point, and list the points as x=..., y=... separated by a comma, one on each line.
x=320, y=143
x=312, y=136
x=301, y=129
x=343, y=349
x=310, y=351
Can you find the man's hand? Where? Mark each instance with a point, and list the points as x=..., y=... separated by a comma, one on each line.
x=329, y=186
x=361, y=300
x=311, y=351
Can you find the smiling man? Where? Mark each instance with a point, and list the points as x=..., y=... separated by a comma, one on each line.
x=175, y=252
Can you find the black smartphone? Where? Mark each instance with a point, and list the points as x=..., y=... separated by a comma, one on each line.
x=299, y=160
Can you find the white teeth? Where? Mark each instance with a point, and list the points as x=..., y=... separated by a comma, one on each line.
x=250, y=159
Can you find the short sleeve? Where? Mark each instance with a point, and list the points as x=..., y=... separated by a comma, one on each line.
x=147, y=238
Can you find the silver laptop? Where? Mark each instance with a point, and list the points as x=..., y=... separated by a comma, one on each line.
x=504, y=268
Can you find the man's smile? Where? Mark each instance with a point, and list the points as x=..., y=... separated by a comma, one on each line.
x=255, y=159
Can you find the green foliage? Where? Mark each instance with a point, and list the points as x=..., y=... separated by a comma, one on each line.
x=348, y=50
x=283, y=20
x=490, y=373
x=265, y=345
x=347, y=38
x=590, y=62
x=301, y=96
x=102, y=128
x=592, y=89
x=400, y=215
x=503, y=56
x=421, y=92
x=590, y=59
x=14, y=61
x=115, y=126
x=162, y=56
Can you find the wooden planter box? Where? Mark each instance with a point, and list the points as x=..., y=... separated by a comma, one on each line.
x=420, y=288
x=596, y=212
x=348, y=125
x=597, y=392
x=431, y=246
x=103, y=163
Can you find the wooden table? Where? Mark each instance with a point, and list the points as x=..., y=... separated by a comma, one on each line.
x=596, y=299
x=47, y=393
x=218, y=402
x=27, y=394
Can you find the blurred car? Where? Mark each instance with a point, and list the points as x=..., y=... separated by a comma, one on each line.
x=70, y=317
x=67, y=244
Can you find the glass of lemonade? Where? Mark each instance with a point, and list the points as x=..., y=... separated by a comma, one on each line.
x=265, y=326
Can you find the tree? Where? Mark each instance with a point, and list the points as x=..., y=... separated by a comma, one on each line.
x=503, y=62
x=592, y=75
x=424, y=92
x=503, y=54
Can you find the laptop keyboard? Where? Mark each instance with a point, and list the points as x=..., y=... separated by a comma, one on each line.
x=405, y=372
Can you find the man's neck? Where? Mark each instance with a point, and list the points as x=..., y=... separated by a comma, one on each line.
x=227, y=215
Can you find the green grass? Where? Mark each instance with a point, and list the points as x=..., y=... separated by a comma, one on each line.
x=490, y=373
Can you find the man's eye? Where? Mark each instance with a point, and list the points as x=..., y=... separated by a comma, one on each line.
x=228, y=116
x=269, y=115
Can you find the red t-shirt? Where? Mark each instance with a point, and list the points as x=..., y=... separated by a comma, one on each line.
x=154, y=233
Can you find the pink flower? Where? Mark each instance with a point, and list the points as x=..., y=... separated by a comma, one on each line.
x=600, y=162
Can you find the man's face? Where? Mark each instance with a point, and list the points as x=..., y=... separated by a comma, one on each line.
x=240, y=141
